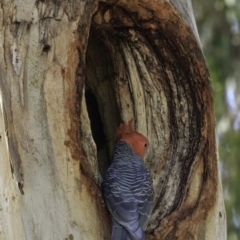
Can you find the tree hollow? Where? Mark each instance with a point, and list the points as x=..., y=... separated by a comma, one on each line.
x=150, y=66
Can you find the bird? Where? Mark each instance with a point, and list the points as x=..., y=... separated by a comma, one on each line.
x=127, y=186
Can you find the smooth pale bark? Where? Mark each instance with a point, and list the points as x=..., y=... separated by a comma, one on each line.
x=71, y=71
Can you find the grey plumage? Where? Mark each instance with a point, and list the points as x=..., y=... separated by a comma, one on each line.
x=128, y=193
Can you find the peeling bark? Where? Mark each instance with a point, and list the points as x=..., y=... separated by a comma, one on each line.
x=71, y=71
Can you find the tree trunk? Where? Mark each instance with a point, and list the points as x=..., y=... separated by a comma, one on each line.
x=71, y=71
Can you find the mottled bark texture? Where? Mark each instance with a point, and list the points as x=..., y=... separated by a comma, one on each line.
x=71, y=71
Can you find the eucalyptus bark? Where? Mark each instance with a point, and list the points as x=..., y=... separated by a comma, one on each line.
x=71, y=71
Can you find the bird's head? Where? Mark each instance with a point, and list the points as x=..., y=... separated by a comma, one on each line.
x=126, y=133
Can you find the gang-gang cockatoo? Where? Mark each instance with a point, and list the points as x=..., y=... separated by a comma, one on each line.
x=127, y=186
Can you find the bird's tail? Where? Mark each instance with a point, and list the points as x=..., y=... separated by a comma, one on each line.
x=120, y=232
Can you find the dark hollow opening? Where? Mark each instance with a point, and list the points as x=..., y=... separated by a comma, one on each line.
x=97, y=131
x=96, y=121
x=101, y=100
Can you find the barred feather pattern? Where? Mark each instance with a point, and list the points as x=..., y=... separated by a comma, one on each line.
x=128, y=193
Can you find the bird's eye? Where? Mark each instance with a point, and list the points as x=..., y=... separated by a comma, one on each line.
x=145, y=145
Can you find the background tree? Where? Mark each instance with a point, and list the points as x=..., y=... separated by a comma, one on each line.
x=71, y=71
x=218, y=24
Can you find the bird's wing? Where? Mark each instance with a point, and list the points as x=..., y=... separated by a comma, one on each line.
x=118, y=196
x=145, y=199
x=121, y=202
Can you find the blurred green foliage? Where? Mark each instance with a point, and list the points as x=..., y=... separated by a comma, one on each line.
x=219, y=29
x=229, y=154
